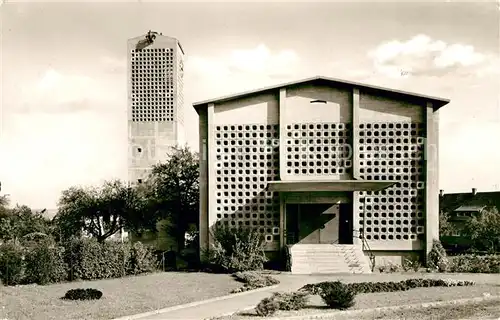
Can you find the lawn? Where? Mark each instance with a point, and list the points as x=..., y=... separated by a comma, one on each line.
x=473, y=311
x=121, y=297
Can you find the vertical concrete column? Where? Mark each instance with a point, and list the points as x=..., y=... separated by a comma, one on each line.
x=212, y=218
x=282, y=221
x=282, y=152
x=281, y=111
x=432, y=177
x=355, y=164
x=203, y=160
x=355, y=133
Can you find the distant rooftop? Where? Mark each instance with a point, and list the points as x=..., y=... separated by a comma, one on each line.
x=469, y=201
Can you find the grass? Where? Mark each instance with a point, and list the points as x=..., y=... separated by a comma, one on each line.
x=472, y=311
x=121, y=297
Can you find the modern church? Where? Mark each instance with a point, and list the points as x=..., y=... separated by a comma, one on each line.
x=337, y=176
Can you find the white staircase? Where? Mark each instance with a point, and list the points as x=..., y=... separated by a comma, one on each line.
x=328, y=258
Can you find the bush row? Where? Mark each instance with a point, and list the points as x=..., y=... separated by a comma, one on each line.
x=471, y=263
x=374, y=287
x=338, y=295
x=78, y=259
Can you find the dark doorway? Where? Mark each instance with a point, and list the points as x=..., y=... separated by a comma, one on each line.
x=312, y=223
x=292, y=223
x=345, y=224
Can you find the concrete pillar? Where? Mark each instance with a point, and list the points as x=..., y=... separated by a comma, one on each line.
x=355, y=134
x=282, y=221
x=282, y=151
x=203, y=160
x=211, y=157
x=282, y=163
x=432, y=177
x=355, y=165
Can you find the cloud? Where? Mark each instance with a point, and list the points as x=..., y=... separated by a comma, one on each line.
x=114, y=65
x=262, y=60
x=423, y=56
x=57, y=92
x=240, y=70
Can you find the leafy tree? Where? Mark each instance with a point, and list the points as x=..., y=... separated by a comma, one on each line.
x=21, y=221
x=101, y=211
x=484, y=230
x=4, y=209
x=173, y=192
x=445, y=227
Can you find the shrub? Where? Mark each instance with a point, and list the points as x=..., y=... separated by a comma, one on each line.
x=11, y=264
x=45, y=264
x=281, y=301
x=471, y=263
x=141, y=260
x=437, y=259
x=253, y=280
x=35, y=238
x=237, y=249
x=411, y=264
x=389, y=268
x=83, y=294
x=90, y=260
x=267, y=307
x=338, y=295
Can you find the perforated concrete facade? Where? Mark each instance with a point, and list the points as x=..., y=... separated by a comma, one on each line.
x=393, y=151
x=322, y=130
x=244, y=165
x=155, y=102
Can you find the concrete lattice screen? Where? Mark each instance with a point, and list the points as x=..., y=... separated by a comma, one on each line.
x=247, y=157
x=246, y=161
x=318, y=149
x=393, y=151
x=152, y=85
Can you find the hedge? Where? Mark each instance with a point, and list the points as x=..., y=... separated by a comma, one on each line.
x=471, y=263
x=77, y=259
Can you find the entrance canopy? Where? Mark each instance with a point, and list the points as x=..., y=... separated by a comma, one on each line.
x=333, y=185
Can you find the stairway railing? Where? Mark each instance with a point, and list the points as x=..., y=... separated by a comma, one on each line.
x=366, y=247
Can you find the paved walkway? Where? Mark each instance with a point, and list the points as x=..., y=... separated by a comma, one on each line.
x=290, y=282
x=232, y=304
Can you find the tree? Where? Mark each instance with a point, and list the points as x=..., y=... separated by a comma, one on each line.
x=20, y=221
x=4, y=209
x=484, y=230
x=445, y=227
x=101, y=211
x=173, y=192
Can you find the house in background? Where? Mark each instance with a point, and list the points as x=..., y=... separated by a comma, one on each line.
x=460, y=207
x=335, y=174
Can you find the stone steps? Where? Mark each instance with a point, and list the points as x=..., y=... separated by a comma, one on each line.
x=328, y=259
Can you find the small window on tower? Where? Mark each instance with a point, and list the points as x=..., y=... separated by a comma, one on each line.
x=139, y=181
x=139, y=150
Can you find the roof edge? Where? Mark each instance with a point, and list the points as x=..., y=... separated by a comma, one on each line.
x=440, y=102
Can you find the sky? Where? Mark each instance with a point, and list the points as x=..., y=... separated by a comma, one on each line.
x=63, y=75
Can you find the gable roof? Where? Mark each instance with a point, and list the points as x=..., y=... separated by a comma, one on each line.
x=437, y=102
